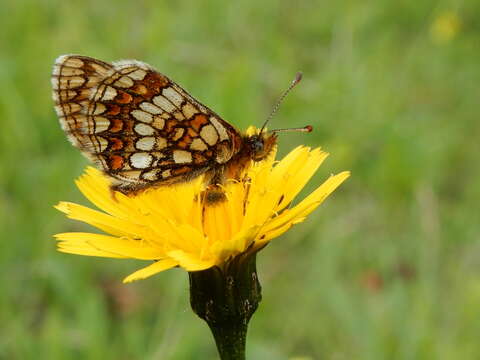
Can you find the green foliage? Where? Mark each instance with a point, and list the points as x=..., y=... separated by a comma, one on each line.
x=388, y=268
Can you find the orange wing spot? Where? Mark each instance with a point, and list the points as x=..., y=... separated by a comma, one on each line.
x=165, y=162
x=198, y=121
x=184, y=142
x=115, y=162
x=170, y=125
x=191, y=132
x=116, y=125
x=116, y=144
x=113, y=109
x=181, y=170
x=123, y=97
x=209, y=153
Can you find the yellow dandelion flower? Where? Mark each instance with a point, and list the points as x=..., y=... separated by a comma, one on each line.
x=172, y=227
x=445, y=27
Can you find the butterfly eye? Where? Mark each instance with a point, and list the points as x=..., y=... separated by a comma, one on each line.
x=257, y=146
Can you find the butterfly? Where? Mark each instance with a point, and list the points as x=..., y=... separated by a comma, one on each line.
x=143, y=130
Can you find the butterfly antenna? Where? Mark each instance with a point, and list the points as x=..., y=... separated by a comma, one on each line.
x=308, y=128
x=297, y=79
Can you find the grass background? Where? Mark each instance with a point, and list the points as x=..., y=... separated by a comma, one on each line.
x=387, y=268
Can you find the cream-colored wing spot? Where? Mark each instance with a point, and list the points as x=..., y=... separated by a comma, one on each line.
x=138, y=74
x=158, y=122
x=146, y=143
x=151, y=175
x=109, y=93
x=66, y=95
x=131, y=175
x=161, y=143
x=69, y=82
x=98, y=108
x=163, y=103
x=124, y=82
x=220, y=128
x=68, y=108
x=198, y=144
x=189, y=110
x=67, y=71
x=142, y=116
x=101, y=124
x=174, y=97
x=68, y=60
x=178, y=115
x=143, y=129
x=150, y=108
x=209, y=134
x=140, y=160
x=101, y=70
x=182, y=156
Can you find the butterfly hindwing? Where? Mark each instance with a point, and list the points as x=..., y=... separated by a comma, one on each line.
x=136, y=124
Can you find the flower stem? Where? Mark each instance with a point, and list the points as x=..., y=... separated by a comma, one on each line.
x=230, y=340
x=226, y=298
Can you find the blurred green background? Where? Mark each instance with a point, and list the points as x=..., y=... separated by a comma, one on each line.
x=387, y=268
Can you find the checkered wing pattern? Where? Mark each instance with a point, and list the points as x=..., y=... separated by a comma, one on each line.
x=136, y=124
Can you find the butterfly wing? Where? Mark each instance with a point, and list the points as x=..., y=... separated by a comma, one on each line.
x=137, y=125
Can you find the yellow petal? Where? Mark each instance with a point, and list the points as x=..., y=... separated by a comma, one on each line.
x=96, y=188
x=280, y=224
x=190, y=262
x=226, y=249
x=123, y=247
x=150, y=270
x=86, y=250
x=100, y=220
x=298, y=174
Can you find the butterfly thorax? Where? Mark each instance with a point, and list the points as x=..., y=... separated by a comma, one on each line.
x=251, y=148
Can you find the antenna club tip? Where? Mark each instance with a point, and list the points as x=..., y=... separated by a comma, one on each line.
x=309, y=128
x=298, y=77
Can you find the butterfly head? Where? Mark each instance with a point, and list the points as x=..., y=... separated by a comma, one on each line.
x=260, y=145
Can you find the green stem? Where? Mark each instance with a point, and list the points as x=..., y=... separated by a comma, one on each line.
x=226, y=299
x=230, y=340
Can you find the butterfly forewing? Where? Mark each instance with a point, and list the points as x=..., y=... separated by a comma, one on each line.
x=136, y=124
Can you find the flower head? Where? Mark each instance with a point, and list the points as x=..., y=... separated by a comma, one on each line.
x=445, y=27
x=171, y=226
